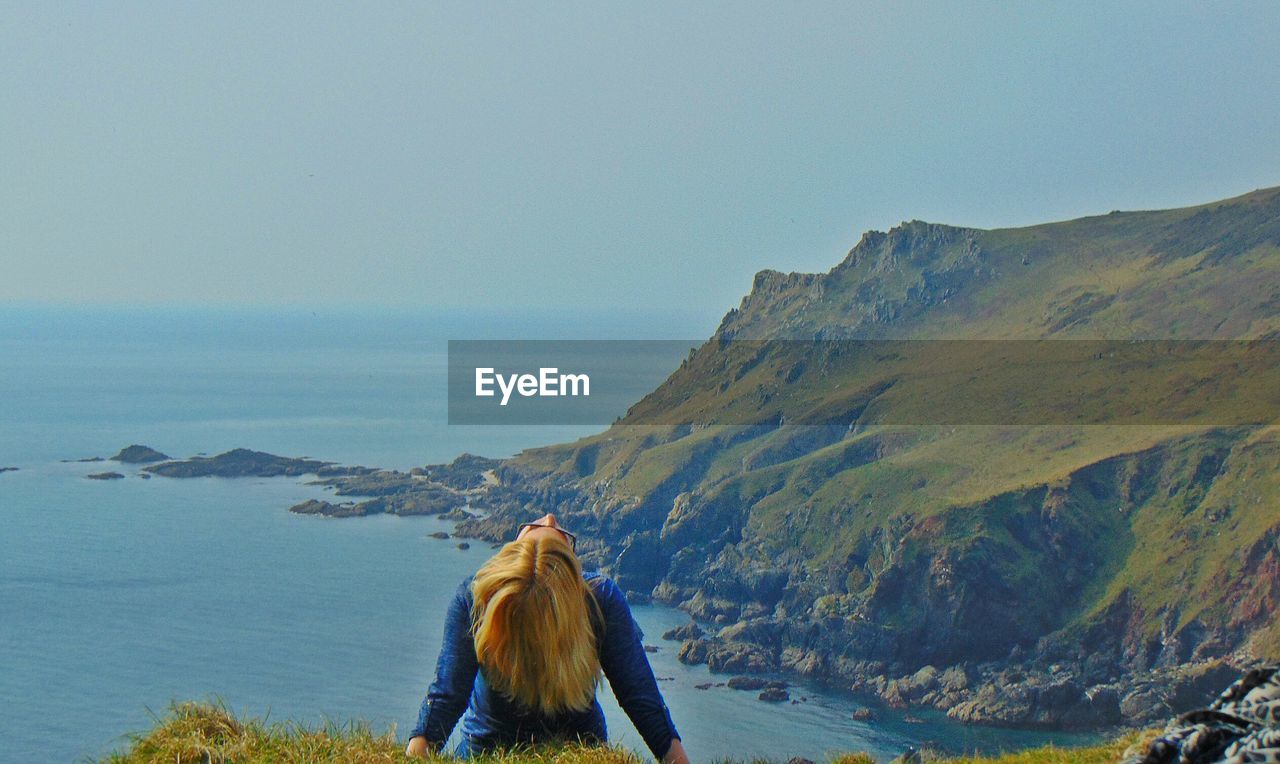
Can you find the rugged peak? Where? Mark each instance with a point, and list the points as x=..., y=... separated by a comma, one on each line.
x=915, y=240
x=769, y=281
x=766, y=278
x=770, y=287
x=914, y=264
x=870, y=240
x=769, y=284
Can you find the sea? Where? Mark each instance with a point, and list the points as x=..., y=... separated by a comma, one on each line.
x=119, y=598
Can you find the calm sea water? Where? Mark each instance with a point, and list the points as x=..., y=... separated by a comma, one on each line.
x=119, y=597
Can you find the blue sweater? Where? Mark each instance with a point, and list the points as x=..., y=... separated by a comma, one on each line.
x=493, y=720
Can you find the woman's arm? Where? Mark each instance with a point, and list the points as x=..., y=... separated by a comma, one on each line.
x=626, y=665
x=456, y=668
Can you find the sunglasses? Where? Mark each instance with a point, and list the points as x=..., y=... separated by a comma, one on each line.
x=573, y=540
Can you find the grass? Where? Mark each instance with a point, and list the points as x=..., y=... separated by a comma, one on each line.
x=209, y=732
x=1106, y=753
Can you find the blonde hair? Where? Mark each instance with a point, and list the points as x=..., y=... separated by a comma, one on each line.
x=531, y=626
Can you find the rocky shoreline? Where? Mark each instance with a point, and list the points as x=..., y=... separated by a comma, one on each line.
x=735, y=633
x=441, y=489
x=1024, y=696
x=756, y=623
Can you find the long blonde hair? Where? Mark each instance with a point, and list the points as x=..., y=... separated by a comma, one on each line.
x=531, y=626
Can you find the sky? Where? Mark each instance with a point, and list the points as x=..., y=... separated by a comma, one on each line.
x=587, y=156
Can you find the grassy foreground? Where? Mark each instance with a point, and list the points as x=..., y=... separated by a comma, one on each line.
x=208, y=732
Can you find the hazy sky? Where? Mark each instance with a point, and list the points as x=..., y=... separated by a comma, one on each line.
x=593, y=154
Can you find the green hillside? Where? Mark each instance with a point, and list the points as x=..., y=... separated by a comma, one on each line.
x=1043, y=575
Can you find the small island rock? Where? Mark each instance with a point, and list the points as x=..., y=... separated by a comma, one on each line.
x=329, y=509
x=137, y=454
x=238, y=462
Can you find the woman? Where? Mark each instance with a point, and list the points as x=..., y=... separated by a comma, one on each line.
x=525, y=641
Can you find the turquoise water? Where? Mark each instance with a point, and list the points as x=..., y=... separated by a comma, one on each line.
x=118, y=597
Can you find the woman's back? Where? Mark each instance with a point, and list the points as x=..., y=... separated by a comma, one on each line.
x=512, y=686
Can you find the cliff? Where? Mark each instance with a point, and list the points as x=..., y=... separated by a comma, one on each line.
x=1054, y=576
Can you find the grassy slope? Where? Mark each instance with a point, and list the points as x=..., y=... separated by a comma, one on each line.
x=201, y=732
x=1201, y=272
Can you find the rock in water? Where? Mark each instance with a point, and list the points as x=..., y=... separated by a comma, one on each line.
x=105, y=476
x=690, y=630
x=734, y=656
x=693, y=652
x=329, y=509
x=747, y=683
x=457, y=513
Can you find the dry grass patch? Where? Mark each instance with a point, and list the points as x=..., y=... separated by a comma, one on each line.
x=209, y=732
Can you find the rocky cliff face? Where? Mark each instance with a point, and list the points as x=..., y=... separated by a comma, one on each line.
x=883, y=281
x=1050, y=576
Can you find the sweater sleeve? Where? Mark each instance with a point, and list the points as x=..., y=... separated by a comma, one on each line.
x=456, y=669
x=626, y=665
